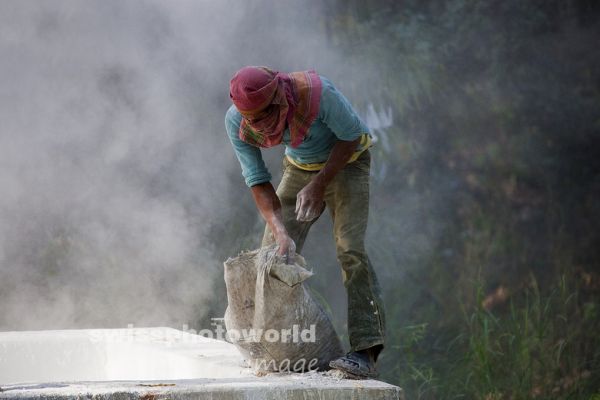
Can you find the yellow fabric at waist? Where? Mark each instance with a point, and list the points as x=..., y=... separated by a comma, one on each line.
x=365, y=143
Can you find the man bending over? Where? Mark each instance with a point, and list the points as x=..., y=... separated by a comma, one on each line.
x=326, y=165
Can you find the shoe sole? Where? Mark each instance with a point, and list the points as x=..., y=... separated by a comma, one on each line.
x=352, y=374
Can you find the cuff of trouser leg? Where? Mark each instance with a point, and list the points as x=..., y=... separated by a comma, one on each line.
x=365, y=344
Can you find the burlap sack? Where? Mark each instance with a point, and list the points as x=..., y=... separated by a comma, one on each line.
x=271, y=316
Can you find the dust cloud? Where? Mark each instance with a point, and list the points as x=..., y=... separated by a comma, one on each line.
x=115, y=169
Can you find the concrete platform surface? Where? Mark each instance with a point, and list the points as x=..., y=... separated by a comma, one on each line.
x=153, y=363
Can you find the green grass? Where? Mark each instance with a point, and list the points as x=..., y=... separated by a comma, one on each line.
x=537, y=345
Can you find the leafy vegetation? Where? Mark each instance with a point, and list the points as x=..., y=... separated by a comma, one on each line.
x=488, y=205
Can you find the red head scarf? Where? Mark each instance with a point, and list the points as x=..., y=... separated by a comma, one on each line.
x=268, y=99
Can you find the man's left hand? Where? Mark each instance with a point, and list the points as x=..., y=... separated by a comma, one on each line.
x=309, y=202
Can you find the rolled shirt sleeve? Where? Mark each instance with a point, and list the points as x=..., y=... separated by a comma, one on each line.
x=254, y=169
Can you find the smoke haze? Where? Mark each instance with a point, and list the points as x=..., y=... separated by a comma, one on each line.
x=115, y=169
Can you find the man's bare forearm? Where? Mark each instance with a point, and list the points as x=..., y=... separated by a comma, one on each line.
x=269, y=206
x=339, y=156
x=309, y=202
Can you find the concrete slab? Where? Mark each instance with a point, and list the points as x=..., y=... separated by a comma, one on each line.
x=153, y=363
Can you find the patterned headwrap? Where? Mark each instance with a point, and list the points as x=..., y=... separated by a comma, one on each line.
x=268, y=99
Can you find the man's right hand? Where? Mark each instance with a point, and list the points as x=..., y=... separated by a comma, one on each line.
x=286, y=247
x=270, y=208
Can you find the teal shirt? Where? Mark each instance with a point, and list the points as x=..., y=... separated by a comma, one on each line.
x=336, y=120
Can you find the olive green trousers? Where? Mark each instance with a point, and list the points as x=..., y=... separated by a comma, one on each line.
x=347, y=198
